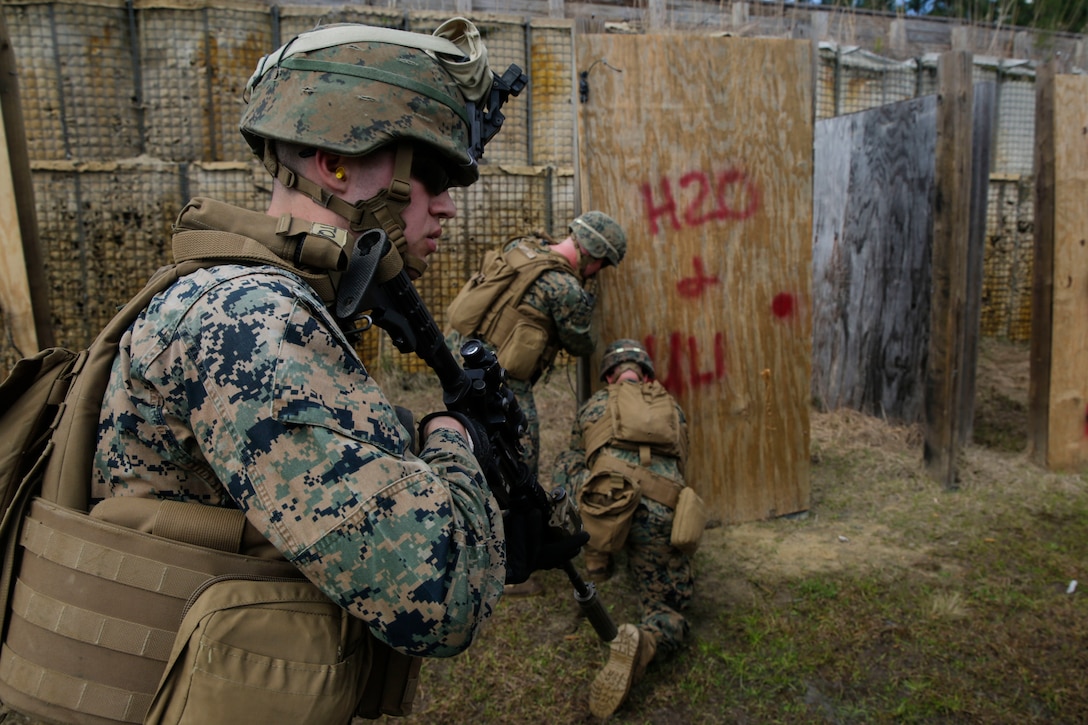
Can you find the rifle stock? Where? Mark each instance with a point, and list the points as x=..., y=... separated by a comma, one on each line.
x=479, y=391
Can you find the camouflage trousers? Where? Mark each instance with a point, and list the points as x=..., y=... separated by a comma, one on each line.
x=662, y=575
x=530, y=437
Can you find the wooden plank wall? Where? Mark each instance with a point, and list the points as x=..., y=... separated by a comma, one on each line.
x=1058, y=398
x=873, y=202
x=709, y=168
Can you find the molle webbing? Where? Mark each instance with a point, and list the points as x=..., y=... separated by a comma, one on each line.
x=639, y=417
x=96, y=609
x=651, y=485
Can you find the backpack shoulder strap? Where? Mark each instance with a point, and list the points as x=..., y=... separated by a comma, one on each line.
x=67, y=475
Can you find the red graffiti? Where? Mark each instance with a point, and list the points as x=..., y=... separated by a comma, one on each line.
x=730, y=196
x=783, y=305
x=695, y=286
x=678, y=377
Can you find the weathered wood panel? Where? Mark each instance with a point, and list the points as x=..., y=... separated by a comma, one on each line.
x=1059, y=388
x=709, y=168
x=872, y=199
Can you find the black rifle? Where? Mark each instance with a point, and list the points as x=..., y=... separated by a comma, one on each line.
x=379, y=284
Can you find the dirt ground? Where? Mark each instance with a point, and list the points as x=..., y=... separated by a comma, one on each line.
x=826, y=542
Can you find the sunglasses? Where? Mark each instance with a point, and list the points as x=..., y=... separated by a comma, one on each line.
x=431, y=172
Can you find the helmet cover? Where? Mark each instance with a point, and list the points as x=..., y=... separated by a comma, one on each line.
x=601, y=235
x=353, y=89
x=626, y=350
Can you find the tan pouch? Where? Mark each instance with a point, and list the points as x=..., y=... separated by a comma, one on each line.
x=263, y=651
x=607, y=503
x=688, y=522
x=521, y=353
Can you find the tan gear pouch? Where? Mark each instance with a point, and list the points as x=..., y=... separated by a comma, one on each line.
x=521, y=351
x=688, y=521
x=607, y=503
x=263, y=651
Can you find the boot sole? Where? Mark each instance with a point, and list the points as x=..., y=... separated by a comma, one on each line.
x=613, y=683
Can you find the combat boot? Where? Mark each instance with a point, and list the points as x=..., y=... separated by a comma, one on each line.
x=631, y=652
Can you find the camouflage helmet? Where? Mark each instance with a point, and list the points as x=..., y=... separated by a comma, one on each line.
x=351, y=89
x=626, y=350
x=601, y=235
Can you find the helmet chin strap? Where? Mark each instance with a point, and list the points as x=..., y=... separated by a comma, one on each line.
x=382, y=210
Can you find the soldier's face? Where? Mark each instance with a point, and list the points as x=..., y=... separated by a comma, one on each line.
x=593, y=266
x=423, y=218
x=429, y=203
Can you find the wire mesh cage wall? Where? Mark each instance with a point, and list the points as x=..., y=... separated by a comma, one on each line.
x=850, y=80
x=132, y=109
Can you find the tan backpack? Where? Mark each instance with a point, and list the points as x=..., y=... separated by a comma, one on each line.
x=487, y=307
x=641, y=417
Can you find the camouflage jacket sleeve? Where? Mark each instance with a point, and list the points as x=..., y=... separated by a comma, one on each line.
x=560, y=296
x=240, y=372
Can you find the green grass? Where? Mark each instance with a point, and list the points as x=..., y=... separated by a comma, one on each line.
x=941, y=607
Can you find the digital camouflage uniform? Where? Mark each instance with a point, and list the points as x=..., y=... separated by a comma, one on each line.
x=560, y=296
x=236, y=388
x=662, y=574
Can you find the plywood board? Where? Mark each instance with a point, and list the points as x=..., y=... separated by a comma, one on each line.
x=871, y=264
x=1068, y=401
x=709, y=168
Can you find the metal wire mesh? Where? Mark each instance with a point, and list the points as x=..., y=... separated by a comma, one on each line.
x=104, y=233
x=172, y=57
x=552, y=73
x=1014, y=148
x=1008, y=259
x=244, y=185
x=76, y=80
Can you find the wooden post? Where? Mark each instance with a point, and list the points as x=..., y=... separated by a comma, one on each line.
x=1058, y=404
x=23, y=291
x=951, y=213
x=984, y=109
x=1042, y=283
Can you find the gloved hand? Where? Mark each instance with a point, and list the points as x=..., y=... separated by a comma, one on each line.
x=481, y=444
x=531, y=545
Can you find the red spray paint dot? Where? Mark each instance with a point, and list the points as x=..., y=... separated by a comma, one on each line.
x=783, y=305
